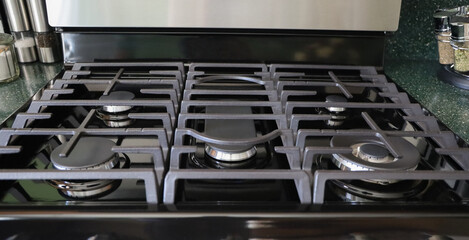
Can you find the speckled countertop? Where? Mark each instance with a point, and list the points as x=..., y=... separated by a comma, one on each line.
x=446, y=102
x=33, y=77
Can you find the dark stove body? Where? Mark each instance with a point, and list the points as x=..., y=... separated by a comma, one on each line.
x=291, y=187
x=222, y=133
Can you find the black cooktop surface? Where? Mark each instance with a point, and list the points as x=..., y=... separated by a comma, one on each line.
x=228, y=137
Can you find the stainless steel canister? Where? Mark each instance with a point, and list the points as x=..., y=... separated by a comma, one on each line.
x=17, y=15
x=46, y=40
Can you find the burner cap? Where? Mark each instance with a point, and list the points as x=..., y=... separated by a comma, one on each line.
x=89, y=152
x=369, y=153
x=117, y=95
x=230, y=129
x=336, y=99
x=374, y=153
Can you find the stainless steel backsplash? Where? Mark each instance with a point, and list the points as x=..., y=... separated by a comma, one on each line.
x=349, y=15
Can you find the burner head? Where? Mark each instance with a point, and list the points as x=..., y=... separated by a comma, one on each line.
x=336, y=99
x=117, y=95
x=88, y=153
x=369, y=153
x=230, y=129
x=116, y=116
x=338, y=114
x=375, y=153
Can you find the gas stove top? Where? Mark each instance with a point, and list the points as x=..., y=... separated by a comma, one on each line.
x=186, y=137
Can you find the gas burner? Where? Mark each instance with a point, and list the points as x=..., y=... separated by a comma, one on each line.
x=89, y=153
x=202, y=159
x=116, y=116
x=369, y=153
x=360, y=191
x=338, y=114
x=230, y=156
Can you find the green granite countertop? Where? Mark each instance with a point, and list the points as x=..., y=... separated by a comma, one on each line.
x=448, y=103
x=33, y=77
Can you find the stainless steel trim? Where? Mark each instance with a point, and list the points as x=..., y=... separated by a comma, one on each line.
x=38, y=15
x=357, y=15
x=17, y=15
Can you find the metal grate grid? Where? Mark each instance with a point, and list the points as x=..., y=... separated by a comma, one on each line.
x=273, y=87
x=301, y=75
x=107, y=76
x=224, y=82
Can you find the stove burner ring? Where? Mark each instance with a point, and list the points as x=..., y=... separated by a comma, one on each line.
x=116, y=116
x=338, y=113
x=85, y=190
x=229, y=156
x=90, y=189
x=336, y=120
x=336, y=99
x=357, y=191
x=370, y=154
x=90, y=153
x=114, y=120
x=117, y=95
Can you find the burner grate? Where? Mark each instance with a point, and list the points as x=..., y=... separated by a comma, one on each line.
x=291, y=80
x=245, y=86
x=158, y=88
x=290, y=112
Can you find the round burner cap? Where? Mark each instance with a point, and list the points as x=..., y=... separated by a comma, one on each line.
x=374, y=153
x=117, y=95
x=89, y=152
x=336, y=99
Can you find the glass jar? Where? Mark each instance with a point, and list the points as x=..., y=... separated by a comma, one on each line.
x=445, y=50
x=9, y=69
x=25, y=46
x=460, y=44
x=441, y=19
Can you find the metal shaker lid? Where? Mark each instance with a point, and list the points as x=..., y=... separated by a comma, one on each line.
x=459, y=31
x=441, y=18
x=38, y=15
x=17, y=15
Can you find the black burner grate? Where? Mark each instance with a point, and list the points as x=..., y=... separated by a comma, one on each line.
x=287, y=105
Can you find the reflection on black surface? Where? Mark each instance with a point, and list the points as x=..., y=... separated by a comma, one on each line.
x=313, y=48
x=238, y=228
